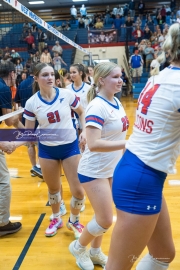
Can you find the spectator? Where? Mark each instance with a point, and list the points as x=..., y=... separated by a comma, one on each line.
x=154, y=63
x=15, y=54
x=81, y=23
x=99, y=24
x=117, y=24
x=163, y=13
x=141, y=8
x=57, y=48
x=138, y=34
x=73, y=12
x=46, y=57
x=8, y=77
x=26, y=26
x=129, y=27
x=149, y=52
x=18, y=67
x=57, y=60
x=46, y=47
x=126, y=10
x=136, y=63
x=136, y=47
x=173, y=5
x=33, y=50
x=147, y=33
x=150, y=23
x=41, y=39
x=83, y=11
x=36, y=57
x=30, y=40
x=132, y=8
x=23, y=36
x=160, y=21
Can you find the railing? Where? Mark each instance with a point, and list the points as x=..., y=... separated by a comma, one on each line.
x=129, y=85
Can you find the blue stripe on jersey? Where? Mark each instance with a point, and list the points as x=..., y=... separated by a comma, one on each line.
x=46, y=102
x=175, y=68
x=95, y=119
x=114, y=106
x=79, y=88
x=29, y=113
x=75, y=102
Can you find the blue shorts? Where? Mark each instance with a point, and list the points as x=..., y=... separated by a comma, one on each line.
x=137, y=188
x=59, y=152
x=85, y=179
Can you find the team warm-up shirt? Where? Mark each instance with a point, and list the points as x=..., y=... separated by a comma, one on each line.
x=81, y=93
x=5, y=96
x=55, y=115
x=156, y=131
x=113, y=123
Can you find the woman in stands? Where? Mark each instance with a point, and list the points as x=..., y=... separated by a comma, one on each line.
x=106, y=126
x=51, y=106
x=142, y=215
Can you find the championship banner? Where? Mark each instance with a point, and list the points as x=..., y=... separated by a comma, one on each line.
x=102, y=36
x=28, y=13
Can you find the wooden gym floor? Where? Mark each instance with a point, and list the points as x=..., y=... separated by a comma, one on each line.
x=29, y=249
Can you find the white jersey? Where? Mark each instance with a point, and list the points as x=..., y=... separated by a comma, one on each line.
x=113, y=123
x=54, y=115
x=81, y=93
x=156, y=132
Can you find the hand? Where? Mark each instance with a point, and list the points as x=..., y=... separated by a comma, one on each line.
x=82, y=141
x=8, y=147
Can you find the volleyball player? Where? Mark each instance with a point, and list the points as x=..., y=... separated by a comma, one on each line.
x=51, y=106
x=142, y=214
x=106, y=125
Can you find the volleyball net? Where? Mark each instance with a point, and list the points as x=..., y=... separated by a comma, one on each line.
x=16, y=22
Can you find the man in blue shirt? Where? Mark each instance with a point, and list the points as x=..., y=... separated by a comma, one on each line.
x=117, y=24
x=24, y=92
x=136, y=63
x=8, y=77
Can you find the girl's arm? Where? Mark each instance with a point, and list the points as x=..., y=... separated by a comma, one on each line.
x=96, y=144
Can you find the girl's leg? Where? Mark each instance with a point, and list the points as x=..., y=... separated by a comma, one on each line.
x=130, y=236
x=52, y=180
x=77, y=201
x=99, y=194
x=161, y=246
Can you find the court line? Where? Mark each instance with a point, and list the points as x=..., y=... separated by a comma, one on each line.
x=28, y=243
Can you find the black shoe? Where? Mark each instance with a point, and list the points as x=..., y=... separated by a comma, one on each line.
x=10, y=228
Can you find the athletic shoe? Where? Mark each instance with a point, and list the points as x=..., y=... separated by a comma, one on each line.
x=83, y=208
x=36, y=171
x=53, y=227
x=82, y=257
x=63, y=211
x=76, y=227
x=99, y=258
x=10, y=228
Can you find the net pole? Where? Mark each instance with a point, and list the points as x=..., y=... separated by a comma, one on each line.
x=32, y=16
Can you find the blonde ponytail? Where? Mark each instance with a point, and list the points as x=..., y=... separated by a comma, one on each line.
x=91, y=93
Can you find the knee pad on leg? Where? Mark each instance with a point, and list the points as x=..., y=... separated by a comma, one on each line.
x=95, y=229
x=77, y=203
x=149, y=263
x=54, y=198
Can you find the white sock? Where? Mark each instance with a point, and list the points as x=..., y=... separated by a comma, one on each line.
x=78, y=245
x=150, y=263
x=95, y=251
x=62, y=202
x=37, y=165
x=57, y=215
x=74, y=218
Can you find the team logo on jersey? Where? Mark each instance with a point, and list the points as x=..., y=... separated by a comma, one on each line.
x=61, y=99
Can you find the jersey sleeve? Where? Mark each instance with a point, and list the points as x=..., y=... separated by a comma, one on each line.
x=95, y=116
x=28, y=110
x=73, y=100
x=5, y=98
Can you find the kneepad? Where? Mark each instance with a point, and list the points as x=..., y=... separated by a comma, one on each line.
x=94, y=228
x=149, y=263
x=77, y=203
x=54, y=198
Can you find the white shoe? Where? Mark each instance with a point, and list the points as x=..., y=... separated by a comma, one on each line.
x=53, y=227
x=63, y=211
x=99, y=258
x=82, y=257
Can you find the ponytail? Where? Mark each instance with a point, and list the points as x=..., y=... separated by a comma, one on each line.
x=35, y=87
x=91, y=93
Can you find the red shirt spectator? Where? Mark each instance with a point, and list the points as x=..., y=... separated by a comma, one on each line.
x=30, y=40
